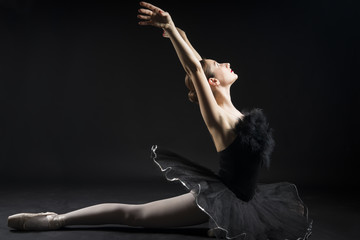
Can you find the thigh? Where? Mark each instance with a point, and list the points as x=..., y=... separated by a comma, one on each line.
x=173, y=212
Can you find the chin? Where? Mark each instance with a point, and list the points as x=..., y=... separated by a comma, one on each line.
x=235, y=78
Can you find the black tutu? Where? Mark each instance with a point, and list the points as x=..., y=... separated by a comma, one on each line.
x=274, y=212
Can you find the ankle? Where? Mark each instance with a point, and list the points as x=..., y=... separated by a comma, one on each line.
x=58, y=221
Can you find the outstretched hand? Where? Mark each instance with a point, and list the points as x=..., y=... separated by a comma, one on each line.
x=154, y=16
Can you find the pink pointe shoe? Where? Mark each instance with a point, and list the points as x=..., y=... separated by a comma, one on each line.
x=36, y=221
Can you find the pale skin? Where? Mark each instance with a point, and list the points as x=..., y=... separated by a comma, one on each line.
x=216, y=107
x=220, y=117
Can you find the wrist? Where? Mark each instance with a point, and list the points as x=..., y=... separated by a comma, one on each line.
x=170, y=27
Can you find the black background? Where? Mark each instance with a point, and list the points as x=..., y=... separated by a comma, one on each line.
x=85, y=91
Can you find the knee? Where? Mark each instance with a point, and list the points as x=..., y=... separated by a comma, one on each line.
x=136, y=216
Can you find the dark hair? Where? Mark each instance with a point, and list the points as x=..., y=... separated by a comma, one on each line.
x=190, y=85
x=206, y=69
x=192, y=93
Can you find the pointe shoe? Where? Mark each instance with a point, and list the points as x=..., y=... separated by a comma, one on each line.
x=36, y=221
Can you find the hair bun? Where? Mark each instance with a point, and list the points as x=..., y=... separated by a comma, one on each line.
x=192, y=93
x=193, y=97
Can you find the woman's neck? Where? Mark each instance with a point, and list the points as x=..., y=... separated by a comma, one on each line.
x=223, y=99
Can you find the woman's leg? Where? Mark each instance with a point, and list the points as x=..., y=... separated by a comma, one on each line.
x=172, y=212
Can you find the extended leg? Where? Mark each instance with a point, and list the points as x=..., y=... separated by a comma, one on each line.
x=172, y=212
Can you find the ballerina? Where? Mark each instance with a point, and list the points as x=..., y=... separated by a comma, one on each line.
x=231, y=201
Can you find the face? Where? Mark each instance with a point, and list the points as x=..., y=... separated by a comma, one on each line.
x=222, y=72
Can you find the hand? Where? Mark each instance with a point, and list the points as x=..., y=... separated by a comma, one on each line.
x=154, y=16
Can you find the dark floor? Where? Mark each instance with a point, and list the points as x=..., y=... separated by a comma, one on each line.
x=335, y=218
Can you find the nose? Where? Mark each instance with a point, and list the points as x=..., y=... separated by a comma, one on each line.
x=228, y=65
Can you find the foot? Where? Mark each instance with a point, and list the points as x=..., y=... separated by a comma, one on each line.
x=36, y=221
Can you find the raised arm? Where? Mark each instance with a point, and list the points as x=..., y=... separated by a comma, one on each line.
x=183, y=35
x=154, y=16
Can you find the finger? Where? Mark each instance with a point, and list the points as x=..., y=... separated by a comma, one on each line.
x=145, y=23
x=144, y=17
x=166, y=36
x=145, y=11
x=151, y=23
x=151, y=7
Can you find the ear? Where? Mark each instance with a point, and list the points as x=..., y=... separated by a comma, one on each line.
x=214, y=82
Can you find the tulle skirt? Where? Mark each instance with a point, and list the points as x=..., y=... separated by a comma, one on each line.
x=275, y=212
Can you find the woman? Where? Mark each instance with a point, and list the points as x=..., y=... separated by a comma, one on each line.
x=231, y=201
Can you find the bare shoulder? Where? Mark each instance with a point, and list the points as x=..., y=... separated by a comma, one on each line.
x=223, y=134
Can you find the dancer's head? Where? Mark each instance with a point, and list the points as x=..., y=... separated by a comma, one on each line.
x=219, y=76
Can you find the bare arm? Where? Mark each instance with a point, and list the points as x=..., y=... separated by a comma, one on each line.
x=183, y=35
x=208, y=106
